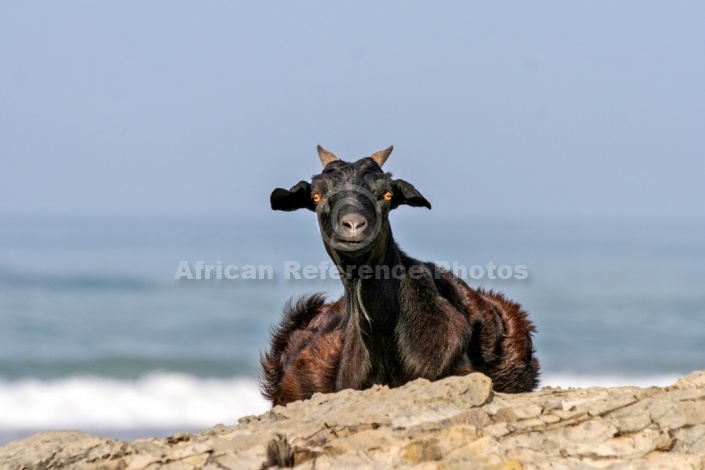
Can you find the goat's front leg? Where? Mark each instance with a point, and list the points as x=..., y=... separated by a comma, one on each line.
x=431, y=334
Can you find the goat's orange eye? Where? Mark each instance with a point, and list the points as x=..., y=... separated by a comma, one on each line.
x=316, y=198
x=388, y=196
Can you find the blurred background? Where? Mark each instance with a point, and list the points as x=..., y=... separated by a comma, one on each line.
x=568, y=138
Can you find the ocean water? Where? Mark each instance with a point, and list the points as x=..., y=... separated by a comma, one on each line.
x=97, y=334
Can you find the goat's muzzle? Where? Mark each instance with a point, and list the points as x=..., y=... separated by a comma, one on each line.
x=352, y=227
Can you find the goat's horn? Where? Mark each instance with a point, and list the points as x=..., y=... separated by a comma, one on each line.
x=381, y=156
x=326, y=156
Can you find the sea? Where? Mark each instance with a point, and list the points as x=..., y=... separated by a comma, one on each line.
x=138, y=326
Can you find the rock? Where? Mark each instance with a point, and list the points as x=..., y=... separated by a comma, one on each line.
x=455, y=423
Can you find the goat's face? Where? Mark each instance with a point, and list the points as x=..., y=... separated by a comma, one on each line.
x=352, y=201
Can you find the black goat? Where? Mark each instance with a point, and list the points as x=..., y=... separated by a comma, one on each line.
x=399, y=318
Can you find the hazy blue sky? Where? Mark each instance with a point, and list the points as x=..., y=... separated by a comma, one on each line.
x=531, y=108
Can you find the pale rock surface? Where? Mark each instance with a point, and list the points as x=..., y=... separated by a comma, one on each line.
x=455, y=423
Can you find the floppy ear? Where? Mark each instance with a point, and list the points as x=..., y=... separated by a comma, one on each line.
x=298, y=197
x=405, y=193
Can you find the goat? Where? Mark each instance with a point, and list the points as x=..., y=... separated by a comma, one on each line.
x=416, y=320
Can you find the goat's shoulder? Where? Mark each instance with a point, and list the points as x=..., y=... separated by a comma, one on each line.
x=303, y=318
x=303, y=350
x=445, y=285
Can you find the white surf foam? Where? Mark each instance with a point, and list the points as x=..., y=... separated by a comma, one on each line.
x=158, y=400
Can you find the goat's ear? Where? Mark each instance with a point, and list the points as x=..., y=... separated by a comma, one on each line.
x=406, y=194
x=298, y=197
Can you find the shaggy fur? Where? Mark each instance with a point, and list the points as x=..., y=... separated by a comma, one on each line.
x=422, y=322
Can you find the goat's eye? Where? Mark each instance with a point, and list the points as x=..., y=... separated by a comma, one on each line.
x=388, y=196
x=316, y=198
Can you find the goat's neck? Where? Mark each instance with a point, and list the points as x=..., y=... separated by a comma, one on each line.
x=373, y=302
x=372, y=311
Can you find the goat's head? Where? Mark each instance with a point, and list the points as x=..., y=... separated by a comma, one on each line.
x=352, y=201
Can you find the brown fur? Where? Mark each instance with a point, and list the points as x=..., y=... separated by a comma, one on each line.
x=488, y=333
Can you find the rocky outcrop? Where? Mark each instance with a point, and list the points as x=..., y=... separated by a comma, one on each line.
x=457, y=422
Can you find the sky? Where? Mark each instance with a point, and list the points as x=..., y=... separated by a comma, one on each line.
x=494, y=108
